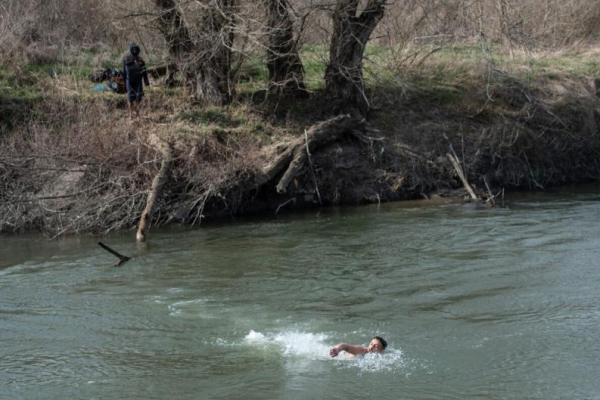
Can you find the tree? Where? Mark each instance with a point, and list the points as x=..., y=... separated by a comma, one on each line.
x=173, y=28
x=344, y=74
x=286, y=73
x=203, y=58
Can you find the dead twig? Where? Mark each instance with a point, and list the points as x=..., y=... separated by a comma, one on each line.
x=285, y=203
x=312, y=170
x=491, y=198
x=456, y=164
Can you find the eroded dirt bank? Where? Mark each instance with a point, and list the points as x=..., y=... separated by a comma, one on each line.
x=95, y=176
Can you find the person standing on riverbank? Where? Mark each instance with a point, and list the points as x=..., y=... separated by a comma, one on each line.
x=376, y=345
x=135, y=75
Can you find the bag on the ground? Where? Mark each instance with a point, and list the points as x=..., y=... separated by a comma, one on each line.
x=116, y=82
x=113, y=78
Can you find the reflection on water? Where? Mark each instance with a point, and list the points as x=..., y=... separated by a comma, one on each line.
x=474, y=304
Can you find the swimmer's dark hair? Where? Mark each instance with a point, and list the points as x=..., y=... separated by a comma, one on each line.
x=381, y=340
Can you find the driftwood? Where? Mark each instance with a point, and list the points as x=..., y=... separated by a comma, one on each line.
x=491, y=200
x=294, y=160
x=456, y=164
x=155, y=192
x=122, y=259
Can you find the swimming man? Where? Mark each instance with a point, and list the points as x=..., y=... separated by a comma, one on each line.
x=376, y=345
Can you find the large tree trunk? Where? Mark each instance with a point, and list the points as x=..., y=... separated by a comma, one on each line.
x=286, y=73
x=211, y=69
x=205, y=59
x=344, y=75
x=173, y=28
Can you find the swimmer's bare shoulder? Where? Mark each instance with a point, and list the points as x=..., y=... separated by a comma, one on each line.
x=376, y=345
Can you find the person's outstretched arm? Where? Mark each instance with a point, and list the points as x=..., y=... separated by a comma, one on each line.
x=348, y=348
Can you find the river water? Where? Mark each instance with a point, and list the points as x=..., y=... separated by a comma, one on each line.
x=475, y=304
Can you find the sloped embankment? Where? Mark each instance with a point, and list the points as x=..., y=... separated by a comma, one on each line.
x=96, y=174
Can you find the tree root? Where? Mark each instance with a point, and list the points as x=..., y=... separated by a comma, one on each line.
x=155, y=191
x=294, y=159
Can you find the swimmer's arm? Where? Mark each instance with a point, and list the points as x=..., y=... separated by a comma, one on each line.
x=348, y=348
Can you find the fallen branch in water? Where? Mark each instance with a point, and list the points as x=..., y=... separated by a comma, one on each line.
x=122, y=259
x=285, y=203
x=491, y=200
x=459, y=171
x=155, y=192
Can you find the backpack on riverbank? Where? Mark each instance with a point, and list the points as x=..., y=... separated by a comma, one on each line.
x=113, y=78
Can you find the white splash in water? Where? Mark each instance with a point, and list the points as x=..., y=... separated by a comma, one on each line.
x=255, y=337
x=303, y=344
x=293, y=343
x=391, y=360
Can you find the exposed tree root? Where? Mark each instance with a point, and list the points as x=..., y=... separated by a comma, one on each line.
x=294, y=160
x=155, y=191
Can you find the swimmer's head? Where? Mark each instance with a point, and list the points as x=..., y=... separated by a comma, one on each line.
x=377, y=345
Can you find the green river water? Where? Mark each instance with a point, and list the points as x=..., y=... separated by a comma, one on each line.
x=475, y=304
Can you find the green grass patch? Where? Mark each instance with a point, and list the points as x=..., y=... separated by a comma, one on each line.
x=210, y=116
x=314, y=59
x=16, y=84
x=437, y=75
x=253, y=75
x=254, y=69
x=79, y=72
x=575, y=65
x=457, y=63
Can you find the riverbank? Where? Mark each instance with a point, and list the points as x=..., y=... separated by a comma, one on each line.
x=71, y=162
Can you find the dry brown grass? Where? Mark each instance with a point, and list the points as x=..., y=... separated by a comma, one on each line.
x=79, y=165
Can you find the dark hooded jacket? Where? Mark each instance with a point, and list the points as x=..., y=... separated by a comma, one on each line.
x=134, y=68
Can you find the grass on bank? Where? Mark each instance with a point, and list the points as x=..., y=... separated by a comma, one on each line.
x=442, y=75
